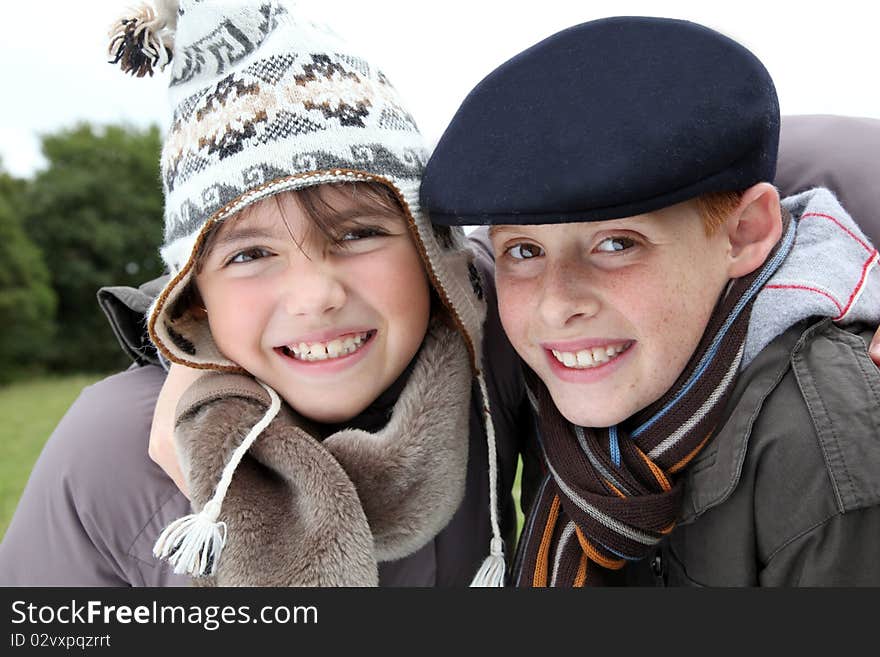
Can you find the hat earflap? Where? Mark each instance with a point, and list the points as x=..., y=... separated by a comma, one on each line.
x=144, y=40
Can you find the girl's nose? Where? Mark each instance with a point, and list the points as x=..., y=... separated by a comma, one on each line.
x=314, y=287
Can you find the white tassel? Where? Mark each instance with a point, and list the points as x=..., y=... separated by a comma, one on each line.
x=491, y=573
x=193, y=544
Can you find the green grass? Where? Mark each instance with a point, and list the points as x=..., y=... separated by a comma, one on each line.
x=29, y=411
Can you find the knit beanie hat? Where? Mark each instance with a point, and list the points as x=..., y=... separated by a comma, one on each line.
x=264, y=101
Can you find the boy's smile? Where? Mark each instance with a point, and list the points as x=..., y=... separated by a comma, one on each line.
x=583, y=363
x=329, y=326
x=608, y=313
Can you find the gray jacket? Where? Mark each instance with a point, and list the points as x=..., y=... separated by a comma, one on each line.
x=95, y=503
x=788, y=492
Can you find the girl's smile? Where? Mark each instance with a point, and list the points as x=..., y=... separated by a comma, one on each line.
x=337, y=355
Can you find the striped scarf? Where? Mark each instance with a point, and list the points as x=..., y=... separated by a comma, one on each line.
x=611, y=494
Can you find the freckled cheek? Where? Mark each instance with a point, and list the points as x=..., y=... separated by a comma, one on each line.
x=516, y=301
x=651, y=311
x=672, y=328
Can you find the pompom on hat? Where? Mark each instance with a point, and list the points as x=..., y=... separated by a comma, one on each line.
x=265, y=101
x=603, y=120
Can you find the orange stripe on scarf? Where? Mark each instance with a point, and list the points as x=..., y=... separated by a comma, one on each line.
x=581, y=577
x=593, y=553
x=543, y=560
x=613, y=489
x=656, y=471
x=687, y=459
x=661, y=478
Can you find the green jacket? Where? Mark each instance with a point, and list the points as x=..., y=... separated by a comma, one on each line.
x=787, y=493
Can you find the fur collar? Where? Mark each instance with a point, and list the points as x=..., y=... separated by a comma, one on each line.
x=304, y=512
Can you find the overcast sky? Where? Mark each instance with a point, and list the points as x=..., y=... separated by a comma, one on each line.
x=824, y=56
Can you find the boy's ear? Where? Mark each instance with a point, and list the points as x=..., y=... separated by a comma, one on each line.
x=753, y=229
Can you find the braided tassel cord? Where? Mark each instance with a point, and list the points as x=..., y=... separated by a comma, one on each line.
x=491, y=573
x=193, y=544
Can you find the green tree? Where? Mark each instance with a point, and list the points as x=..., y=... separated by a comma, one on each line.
x=96, y=214
x=27, y=302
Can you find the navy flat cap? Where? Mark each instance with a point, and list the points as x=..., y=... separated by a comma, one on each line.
x=608, y=119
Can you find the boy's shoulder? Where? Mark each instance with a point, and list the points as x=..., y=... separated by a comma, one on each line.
x=800, y=431
x=840, y=388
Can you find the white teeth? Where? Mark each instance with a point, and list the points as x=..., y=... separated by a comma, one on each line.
x=325, y=351
x=587, y=358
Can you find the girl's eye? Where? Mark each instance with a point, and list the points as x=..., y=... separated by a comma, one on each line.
x=362, y=233
x=524, y=251
x=614, y=244
x=248, y=255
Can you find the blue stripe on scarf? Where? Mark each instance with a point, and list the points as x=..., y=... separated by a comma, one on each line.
x=596, y=463
x=613, y=445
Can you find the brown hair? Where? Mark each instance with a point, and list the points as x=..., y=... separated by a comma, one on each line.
x=313, y=201
x=716, y=207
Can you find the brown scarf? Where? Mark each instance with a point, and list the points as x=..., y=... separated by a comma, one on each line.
x=301, y=511
x=611, y=494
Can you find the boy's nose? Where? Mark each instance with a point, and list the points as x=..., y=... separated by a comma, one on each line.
x=564, y=297
x=313, y=287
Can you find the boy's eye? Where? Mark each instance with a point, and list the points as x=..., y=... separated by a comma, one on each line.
x=524, y=251
x=248, y=255
x=613, y=244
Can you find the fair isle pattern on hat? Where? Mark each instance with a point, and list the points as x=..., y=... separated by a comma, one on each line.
x=225, y=44
x=282, y=98
x=265, y=101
